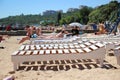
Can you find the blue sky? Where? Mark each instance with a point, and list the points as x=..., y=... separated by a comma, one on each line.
x=17, y=7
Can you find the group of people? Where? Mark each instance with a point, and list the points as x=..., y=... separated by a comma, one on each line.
x=30, y=33
x=36, y=32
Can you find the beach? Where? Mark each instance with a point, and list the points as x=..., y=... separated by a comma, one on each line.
x=75, y=71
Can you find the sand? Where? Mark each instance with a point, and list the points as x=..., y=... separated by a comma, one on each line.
x=74, y=71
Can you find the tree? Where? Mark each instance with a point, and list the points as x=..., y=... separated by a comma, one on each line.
x=58, y=17
x=84, y=13
x=104, y=12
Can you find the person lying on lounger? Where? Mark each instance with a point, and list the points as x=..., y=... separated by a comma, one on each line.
x=39, y=35
x=59, y=35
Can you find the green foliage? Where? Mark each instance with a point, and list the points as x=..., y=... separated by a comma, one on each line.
x=104, y=12
x=58, y=17
x=80, y=15
x=83, y=15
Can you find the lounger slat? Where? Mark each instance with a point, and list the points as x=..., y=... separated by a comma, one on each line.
x=41, y=52
x=55, y=47
x=93, y=47
x=60, y=51
x=22, y=53
x=82, y=45
x=61, y=47
x=44, y=47
x=28, y=52
x=66, y=47
x=73, y=51
x=47, y=51
x=86, y=49
x=53, y=51
x=27, y=47
x=65, y=44
x=38, y=47
x=80, y=50
x=71, y=46
x=66, y=51
x=87, y=43
x=75, y=43
x=60, y=44
x=56, y=44
x=99, y=44
x=47, y=45
x=15, y=53
x=92, y=41
x=32, y=47
x=22, y=47
x=35, y=52
x=50, y=47
x=77, y=46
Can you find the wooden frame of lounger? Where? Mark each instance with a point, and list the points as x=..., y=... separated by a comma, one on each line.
x=110, y=43
x=73, y=45
x=96, y=52
x=117, y=54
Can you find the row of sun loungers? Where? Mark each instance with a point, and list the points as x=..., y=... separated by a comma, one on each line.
x=111, y=42
x=56, y=46
x=48, y=52
x=66, y=40
x=66, y=49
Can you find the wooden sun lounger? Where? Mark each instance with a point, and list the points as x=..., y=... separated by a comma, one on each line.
x=50, y=41
x=94, y=51
x=54, y=46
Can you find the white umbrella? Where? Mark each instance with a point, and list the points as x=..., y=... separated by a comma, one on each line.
x=75, y=24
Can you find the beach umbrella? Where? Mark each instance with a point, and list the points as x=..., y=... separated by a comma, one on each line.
x=75, y=24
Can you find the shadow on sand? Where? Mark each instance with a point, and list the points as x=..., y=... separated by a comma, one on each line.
x=64, y=65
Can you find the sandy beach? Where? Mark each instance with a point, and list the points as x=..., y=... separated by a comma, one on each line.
x=76, y=71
